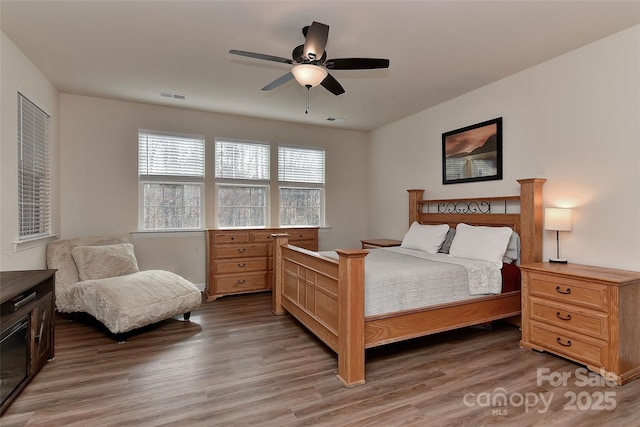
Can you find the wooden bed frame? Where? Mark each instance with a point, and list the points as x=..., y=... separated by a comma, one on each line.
x=327, y=295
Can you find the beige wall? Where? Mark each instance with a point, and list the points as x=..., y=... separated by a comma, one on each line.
x=99, y=178
x=18, y=73
x=573, y=120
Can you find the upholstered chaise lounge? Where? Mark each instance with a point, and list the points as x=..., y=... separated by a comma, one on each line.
x=100, y=276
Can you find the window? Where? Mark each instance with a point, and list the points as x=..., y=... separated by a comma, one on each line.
x=301, y=181
x=171, y=173
x=242, y=183
x=34, y=200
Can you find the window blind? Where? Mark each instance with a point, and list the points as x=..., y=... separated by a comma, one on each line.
x=171, y=169
x=34, y=199
x=301, y=165
x=242, y=160
x=164, y=154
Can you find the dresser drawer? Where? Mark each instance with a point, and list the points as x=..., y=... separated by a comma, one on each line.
x=302, y=234
x=310, y=245
x=236, y=251
x=575, y=346
x=263, y=235
x=571, y=317
x=232, y=237
x=568, y=290
x=240, y=265
x=240, y=283
x=294, y=234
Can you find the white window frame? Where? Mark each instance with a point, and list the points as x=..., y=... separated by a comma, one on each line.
x=37, y=142
x=154, y=178
x=282, y=184
x=242, y=182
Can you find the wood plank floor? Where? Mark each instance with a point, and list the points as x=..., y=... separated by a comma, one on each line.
x=235, y=364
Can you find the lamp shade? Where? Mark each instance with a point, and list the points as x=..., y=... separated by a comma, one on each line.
x=557, y=219
x=309, y=75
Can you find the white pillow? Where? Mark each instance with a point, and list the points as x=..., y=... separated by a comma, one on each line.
x=98, y=262
x=480, y=243
x=427, y=238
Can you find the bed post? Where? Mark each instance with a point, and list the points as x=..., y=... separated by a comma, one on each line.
x=414, y=207
x=531, y=219
x=351, y=317
x=278, y=268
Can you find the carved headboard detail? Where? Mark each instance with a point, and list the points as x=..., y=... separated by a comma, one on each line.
x=527, y=222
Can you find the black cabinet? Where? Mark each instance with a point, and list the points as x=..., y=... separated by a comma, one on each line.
x=26, y=324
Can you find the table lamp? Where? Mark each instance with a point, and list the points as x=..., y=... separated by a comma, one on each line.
x=557, y=219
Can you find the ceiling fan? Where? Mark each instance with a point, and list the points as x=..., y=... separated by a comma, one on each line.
x=310, y=63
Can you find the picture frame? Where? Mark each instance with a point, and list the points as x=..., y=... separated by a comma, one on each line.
x=473, y=153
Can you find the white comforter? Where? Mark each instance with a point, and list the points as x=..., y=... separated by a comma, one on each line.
x=398, y=279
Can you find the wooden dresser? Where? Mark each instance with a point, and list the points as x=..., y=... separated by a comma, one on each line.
x=241, y=260
x=590, y=315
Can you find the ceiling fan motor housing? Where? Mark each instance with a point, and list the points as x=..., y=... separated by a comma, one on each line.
x=298, y=56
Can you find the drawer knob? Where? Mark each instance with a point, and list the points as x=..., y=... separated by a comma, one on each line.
x=242, y=250
x=240, y=282
x=559, y=316
x=560, y=291
x=242, y=264
x=567, y=344
x=232, y=238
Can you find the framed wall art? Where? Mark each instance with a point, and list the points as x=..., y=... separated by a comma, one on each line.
x=473, y=153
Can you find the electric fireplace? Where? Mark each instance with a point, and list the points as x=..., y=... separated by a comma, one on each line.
x=14, y=357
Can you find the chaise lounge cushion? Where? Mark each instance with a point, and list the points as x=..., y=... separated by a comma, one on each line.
x=122, y=303
x=98, y=262
x=135, y=300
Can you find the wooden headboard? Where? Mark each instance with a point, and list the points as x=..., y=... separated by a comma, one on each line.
x=527, y=222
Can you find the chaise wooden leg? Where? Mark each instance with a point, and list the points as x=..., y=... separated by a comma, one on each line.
x=121, y=338
x=186, y=315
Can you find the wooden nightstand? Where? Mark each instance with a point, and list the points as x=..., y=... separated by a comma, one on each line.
x=590, y=315
x=379, y=243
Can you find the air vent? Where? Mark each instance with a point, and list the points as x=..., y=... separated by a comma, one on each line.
x=172, y=95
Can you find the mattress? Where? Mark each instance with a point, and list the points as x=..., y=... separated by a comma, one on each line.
x=398, y=279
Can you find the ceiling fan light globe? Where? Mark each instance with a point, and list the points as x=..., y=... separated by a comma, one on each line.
x=309, y=75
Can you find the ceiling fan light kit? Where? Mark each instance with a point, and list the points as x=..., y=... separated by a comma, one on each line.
x=310, y=63
x=309, y=75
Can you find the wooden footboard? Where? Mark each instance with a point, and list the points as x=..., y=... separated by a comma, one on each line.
x=327, y=296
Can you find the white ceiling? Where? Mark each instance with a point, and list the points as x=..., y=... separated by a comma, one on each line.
x=132, y=50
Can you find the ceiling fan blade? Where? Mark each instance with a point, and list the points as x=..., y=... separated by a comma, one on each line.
x=356, y=63
x=332, y=85
x=279, y=81
x=316, y=41
x=261, y=56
